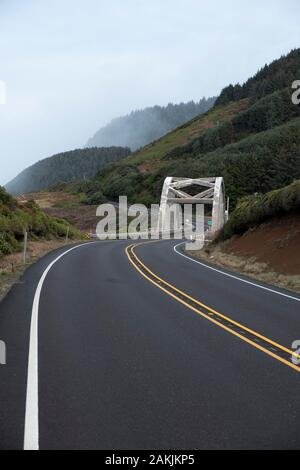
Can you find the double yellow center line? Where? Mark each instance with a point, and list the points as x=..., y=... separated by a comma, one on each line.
x=264, y=344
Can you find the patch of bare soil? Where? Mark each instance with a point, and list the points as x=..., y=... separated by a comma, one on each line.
x=269, y=252
x=276, y=243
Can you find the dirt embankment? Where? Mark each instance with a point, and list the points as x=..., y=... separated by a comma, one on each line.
x=276, y=243
x=269, y=252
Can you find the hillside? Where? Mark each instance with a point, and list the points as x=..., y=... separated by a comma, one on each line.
x=65, y=167
x=273, y=243
x=262, y=238
x=143, y=126
x=15, y=218
x=278, y=75
x=251, y=137
x=68, y=205
x=254, y=210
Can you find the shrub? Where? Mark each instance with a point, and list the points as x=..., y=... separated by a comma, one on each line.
x=253, y=210
x=95, y=198
x=14, y=219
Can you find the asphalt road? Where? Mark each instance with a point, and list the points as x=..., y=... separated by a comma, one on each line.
x=122, y=364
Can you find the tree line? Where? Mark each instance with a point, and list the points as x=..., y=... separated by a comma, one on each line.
x=65, y=167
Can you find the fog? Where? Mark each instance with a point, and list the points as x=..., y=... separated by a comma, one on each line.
x=140, y=128
x=70, y=66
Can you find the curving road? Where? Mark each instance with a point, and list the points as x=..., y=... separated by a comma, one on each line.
x=146, y=349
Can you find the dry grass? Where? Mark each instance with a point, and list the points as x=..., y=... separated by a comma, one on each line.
x=65, y=206
x=248, y=266
x=46, y=200
x=11, y=266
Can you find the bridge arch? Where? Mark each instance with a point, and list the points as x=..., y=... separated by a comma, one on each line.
x=178, y=191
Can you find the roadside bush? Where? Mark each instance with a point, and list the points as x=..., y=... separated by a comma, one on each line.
x=14, y=219
x=253, y=210
x=95, y=198
x=8, y=244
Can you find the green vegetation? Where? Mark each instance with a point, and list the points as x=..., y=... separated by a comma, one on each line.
x=146, y=125
x=253, y=141
x=140, y=176
x=251, y=137
x=65, y=167
x=269, y=112
x=87, y=192
x=278, y=75
x=259, y=163
x=14, y=219
x=253, y=210
x=152, y=155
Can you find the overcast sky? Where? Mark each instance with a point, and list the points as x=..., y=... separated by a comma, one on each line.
x=70, y=66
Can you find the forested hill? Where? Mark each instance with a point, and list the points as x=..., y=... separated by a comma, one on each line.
x=65, y=167
x=276, y=76
x=251, y=137
x=144, y=126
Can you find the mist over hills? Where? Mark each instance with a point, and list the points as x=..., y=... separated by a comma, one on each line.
x=141, y=127
x=251, y=137
x=132, y=131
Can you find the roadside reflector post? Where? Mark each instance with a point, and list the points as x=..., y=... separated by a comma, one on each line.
x=25, y=247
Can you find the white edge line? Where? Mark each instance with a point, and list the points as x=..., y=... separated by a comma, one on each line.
x=232, y=276
x=31, y=430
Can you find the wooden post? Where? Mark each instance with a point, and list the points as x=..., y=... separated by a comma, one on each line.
x=25, y=247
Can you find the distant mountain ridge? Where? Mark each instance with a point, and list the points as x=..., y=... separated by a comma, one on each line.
x=141, y=127
x=64, y=168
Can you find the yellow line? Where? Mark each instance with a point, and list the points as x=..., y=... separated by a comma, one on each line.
x=290, y=364
x=283, y=348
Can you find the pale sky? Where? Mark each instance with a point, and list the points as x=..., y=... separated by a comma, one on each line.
x=70, y=66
